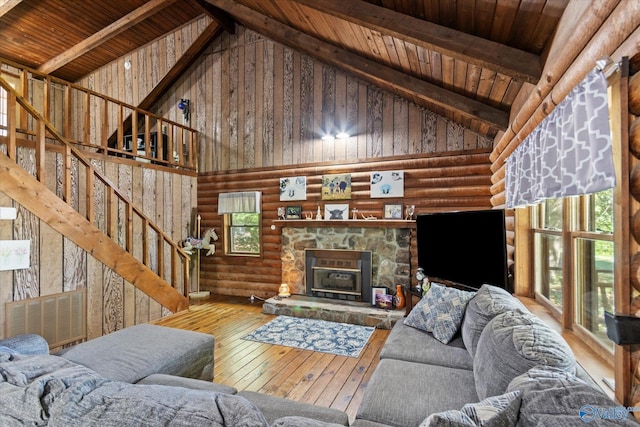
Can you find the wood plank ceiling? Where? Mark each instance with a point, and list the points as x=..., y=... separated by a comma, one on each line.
x=466, y=59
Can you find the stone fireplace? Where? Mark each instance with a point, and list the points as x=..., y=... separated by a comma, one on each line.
x=338, y=274
x=389, y=249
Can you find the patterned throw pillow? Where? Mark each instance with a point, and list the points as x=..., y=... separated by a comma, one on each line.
x=440, y=311
x=493, y=411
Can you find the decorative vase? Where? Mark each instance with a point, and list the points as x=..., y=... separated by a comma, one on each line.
x=399, y=297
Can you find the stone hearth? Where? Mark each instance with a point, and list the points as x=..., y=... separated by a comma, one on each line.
x=356, y=313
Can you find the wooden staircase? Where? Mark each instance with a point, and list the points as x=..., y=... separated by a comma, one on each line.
x=26, y=126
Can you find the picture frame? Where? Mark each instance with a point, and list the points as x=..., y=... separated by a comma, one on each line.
x=387, y=184
x=392, y=211
x=293, y=188
x=336, y=186
x=375, y=292
x=384, y=301
x=294, y=212
x=337, y=211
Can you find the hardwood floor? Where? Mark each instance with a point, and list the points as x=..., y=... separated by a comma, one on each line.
x=323, y=379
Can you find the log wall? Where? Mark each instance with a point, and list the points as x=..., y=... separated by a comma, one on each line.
x=437, y=182
x=587, y=31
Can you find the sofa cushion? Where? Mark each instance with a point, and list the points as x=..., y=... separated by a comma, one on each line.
x=440, y=311
x=405, y=393
x=493, y=411
x=511, y=344
x=414, y=345
x=555, y=397
x=190, y=383
x=486, y=304
x=133, y=353
x=294, y=421
x=274, y=408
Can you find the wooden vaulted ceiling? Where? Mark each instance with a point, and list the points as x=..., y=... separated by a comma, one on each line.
x=466, y=59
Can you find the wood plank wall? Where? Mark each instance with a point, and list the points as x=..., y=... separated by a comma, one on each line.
x=58, y=265
x=257, y=103
x=262, y=108
x=433, y=182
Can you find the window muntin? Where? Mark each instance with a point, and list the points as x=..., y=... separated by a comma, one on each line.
x=242, y=234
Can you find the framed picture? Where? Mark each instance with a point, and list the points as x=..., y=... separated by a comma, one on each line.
x=294, y=212
x=336, y=211
x=336, y=187
x=393, y=211
x=387, y=184
x=375, y=292
x=293, y=188
x=384, y=301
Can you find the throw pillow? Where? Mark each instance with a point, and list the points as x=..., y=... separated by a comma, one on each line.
x=554, y=397
x=511, y=344
x=488, y=302
x=493, y=411
x=440, y=311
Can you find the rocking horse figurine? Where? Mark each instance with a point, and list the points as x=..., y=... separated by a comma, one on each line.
x=190, y=244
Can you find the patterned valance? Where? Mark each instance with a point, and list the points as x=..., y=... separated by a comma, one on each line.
x=569, y=153
x=240, y=202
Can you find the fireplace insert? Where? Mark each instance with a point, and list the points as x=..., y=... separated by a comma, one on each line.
x=338, y=274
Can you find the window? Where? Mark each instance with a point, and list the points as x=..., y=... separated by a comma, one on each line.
x=578, y=232
x=242, y=234
x=548, y=243
x=593, y=269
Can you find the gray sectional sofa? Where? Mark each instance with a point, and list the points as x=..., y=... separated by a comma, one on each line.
x=142, y=375
x=458, y=359
x=501, y=361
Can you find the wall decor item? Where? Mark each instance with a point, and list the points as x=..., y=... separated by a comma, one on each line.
x=375, y=292
x=294, y=212
x=384, y=301
x=387, y=184
x=336, y=186
x=393, y=211
x=336, y=211
x=14, y=254
x=293, y=188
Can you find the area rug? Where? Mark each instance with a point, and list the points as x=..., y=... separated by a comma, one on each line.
x=341, y=339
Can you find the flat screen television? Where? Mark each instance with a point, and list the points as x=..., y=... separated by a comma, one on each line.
x=464, y=247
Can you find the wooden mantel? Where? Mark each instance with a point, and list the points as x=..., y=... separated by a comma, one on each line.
x=350, y=223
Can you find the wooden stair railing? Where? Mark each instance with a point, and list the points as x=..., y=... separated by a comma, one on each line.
x=32, y=193
x=175, y=144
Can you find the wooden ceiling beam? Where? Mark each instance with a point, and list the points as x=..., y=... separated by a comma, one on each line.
x=7, y=5
x=107, y=33
x=220, y=16
x=385, y=77
x=484, y=53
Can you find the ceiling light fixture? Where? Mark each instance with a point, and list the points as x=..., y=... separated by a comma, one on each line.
x=342, y=135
